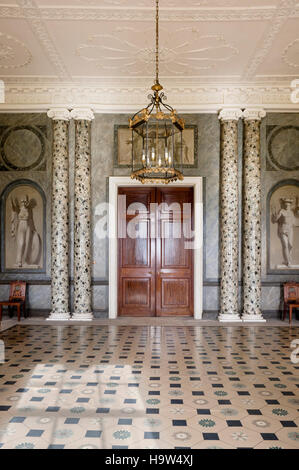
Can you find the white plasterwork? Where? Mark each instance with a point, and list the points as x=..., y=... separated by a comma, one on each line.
x=54, y=316
x=230, y=114
x=77, y=316
x=120, y=97
x=229, y=317
x=254, y=114
x=59, y=114
x=252, y=318
x=84, y=114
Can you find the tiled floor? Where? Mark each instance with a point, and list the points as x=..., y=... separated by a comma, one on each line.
x=138, y=387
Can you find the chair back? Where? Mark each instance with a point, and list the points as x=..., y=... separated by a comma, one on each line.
x=291, y=291
x=17, y=290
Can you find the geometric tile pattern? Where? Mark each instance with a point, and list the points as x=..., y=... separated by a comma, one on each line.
x=148, y=387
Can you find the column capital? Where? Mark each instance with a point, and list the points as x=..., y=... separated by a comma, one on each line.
x=230, y=114
x=255, y=114
x=84, y=114
x=59, y=114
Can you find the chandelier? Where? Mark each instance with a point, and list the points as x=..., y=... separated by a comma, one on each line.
x=157, y=135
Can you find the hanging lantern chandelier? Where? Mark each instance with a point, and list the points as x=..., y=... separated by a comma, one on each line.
x=157, y=135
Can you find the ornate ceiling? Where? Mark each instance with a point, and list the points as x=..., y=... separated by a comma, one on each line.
x=100, y=53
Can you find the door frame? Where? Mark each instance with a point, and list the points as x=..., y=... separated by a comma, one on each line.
x=196, y=182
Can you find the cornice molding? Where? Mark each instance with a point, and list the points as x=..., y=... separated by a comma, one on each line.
x=27, y=10
x=285, y=10
x=126, y=98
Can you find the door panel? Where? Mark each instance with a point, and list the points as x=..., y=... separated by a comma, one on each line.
x=136, y=292
x=136, y=256
x=174, y=263
x=137, y=251
x=155, y=269
x=175, y=292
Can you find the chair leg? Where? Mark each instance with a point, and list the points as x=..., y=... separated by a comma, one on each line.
x=290, y=313
x=19, y=312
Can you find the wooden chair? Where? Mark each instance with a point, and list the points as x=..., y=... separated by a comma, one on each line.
x=290, y=298
x=17, y=298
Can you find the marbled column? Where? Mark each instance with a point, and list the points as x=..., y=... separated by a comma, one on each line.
x=252, y=216
x=60, y=216
x=229, y=216
x=82, y=208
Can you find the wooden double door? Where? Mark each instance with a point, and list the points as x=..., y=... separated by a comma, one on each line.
x=155, y=265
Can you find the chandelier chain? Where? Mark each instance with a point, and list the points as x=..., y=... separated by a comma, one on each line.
x=156, y=134
x=157, y=41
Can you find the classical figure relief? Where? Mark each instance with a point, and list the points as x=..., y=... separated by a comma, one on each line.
x=284, y=219
x=22, y=240
x=23, y=231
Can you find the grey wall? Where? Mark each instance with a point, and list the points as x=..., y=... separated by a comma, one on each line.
x=102, y=146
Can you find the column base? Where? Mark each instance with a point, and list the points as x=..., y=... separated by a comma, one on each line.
x=229, y=317
x=59, y=316
x=77, y=316
x=249, y=317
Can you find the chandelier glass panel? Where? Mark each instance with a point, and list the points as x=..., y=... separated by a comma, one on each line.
x=157, y=135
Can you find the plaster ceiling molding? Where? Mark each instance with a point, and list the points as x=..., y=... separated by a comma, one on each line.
x=144, y=3
x=242, y=95
x=38, y=27
x=286, y=9
x=291, y=54
x=11, y=12
x=173, y=15
x=14, y=53
x=39, y=97
x=184, y=51
x=177, y=4
x=65, y=95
